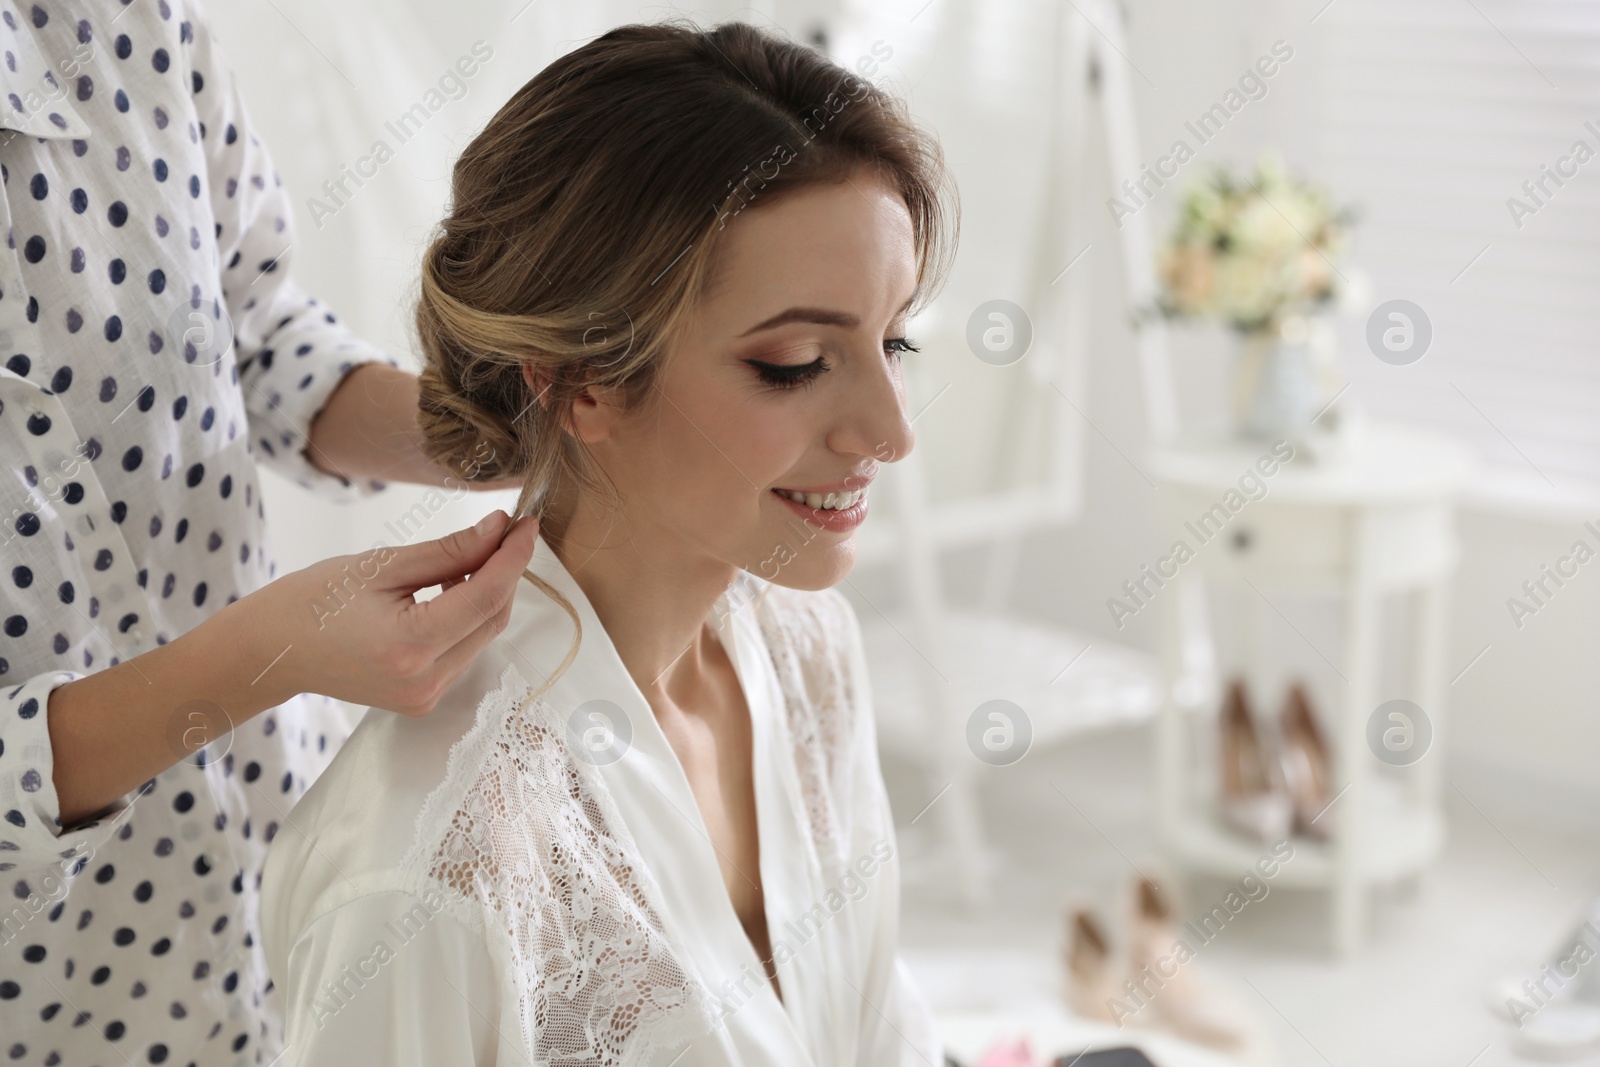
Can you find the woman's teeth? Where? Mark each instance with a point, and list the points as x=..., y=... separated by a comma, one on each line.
x=830, y=501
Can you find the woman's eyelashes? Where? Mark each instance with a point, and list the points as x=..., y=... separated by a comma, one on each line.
x=896, y=345
x=782, y=376
x=789, y=376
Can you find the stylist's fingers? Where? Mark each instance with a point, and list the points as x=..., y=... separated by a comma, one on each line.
x=452, y=556
x=383, y=648
x=465, y=606
x=456, y=659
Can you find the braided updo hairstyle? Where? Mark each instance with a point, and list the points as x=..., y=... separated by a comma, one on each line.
x=585, y=217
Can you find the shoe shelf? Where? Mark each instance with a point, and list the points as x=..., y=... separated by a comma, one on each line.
x=1402, y=838
x=1371, y=521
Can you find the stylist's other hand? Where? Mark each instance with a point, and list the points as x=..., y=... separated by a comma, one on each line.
x=354, y=630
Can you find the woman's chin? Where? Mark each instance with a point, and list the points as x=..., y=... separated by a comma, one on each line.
x=821, y=563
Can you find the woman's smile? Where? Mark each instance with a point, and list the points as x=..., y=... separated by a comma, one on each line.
x=835, y=509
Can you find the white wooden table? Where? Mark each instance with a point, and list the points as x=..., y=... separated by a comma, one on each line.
x=1377, y=520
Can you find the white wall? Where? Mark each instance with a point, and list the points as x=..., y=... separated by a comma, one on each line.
x=1522, y=720
x=321, y=79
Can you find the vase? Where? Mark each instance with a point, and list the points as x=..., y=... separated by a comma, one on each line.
x=1282, y=384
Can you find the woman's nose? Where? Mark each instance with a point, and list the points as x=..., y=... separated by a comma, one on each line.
x=874, y=420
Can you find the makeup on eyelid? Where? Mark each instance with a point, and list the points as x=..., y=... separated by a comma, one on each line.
x=785, y=376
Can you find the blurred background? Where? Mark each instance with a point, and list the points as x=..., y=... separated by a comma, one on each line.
x=1305, y=288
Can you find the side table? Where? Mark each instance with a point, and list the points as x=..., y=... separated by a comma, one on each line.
x=1373, y=521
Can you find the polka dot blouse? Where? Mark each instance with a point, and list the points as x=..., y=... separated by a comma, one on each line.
x=152, y=352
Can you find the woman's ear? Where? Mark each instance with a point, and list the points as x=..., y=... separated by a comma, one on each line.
x=538, y=381
x=593, y=412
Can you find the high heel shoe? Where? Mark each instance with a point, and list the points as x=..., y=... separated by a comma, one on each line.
x=1181, y=1002
x=1303, y=758
x=1252, y=801
x=1091, y=976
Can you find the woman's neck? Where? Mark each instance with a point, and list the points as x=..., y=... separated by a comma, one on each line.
x=651, y=593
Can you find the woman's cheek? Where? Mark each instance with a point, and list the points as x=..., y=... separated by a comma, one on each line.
x=776, y=442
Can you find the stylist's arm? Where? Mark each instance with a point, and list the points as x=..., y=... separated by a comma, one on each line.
x=347, y=627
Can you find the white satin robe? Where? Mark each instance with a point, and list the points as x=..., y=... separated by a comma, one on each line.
x=490, y=885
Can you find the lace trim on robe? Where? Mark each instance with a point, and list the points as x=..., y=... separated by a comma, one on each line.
x=808, y=635
x=537, y=844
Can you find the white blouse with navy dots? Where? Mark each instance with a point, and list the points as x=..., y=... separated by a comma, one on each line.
x=145, y=229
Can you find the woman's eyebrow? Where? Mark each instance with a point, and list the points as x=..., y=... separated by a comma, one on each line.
x=821, y=316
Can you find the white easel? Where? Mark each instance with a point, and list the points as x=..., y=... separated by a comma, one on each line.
x=1375, y=522
x=934, y=665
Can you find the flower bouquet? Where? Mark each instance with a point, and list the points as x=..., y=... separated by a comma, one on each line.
x=1260, y=253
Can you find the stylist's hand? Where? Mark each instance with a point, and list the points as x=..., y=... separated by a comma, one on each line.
x=372, y=643
x=355, y=631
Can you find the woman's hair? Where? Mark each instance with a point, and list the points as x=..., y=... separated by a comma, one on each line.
x=585, y=218
x=584, y=223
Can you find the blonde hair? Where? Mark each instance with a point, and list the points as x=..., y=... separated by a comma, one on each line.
x=585, y=218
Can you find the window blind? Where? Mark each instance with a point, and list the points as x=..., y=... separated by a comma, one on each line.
x=1455, y=127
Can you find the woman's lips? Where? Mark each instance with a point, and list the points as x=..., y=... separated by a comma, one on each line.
x=841, y=521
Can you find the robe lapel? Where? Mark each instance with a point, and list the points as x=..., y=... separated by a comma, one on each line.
x=808, y=968
x=649, y=789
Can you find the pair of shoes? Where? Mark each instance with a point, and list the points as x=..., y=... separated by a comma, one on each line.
x=1267, y=791
x=1149, y=984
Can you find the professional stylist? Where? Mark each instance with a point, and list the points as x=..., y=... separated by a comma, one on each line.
x=138, y=619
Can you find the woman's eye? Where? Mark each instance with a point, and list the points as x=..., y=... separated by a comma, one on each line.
x=894, y=346
x=788, y=376
x=791, y=375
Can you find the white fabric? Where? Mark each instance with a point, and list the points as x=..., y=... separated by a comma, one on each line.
x=476, y=886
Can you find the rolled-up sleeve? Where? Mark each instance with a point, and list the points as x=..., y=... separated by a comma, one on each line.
x=292, y=352
x=31, y=839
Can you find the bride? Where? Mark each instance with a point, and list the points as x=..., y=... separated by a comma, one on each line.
x=647, y=824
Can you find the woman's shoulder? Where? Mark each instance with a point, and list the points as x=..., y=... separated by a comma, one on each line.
x=390, y=791
x=368, y=796
x=398, y=778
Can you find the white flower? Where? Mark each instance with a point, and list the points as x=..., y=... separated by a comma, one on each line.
x=1251, y=252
